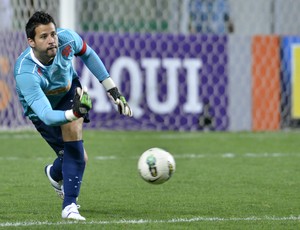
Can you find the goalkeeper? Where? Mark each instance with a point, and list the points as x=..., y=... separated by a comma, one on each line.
x=54, y=100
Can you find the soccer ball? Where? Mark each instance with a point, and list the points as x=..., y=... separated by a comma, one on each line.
x=156, y=165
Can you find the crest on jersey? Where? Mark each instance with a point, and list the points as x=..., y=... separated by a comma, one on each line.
x=66, y=51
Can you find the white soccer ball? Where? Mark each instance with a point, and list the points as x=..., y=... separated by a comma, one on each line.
x=156, y=165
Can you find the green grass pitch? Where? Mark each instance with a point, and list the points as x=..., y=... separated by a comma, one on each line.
x=222, y=181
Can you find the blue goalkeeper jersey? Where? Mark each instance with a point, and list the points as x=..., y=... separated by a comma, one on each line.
x=40, y=88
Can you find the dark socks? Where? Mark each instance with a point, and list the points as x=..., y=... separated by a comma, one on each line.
x=56, y=169
x=72, y=169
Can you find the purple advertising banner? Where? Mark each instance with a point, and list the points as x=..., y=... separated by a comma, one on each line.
x=172, y=82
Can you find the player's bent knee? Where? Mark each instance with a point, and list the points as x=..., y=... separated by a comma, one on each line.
x=72, y=131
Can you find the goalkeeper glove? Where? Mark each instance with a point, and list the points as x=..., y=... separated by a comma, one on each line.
x=120, y=101
x=82, y=104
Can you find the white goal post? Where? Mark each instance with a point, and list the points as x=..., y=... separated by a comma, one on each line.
x=67, y=14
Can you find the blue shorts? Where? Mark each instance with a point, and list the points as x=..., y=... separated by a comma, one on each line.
x=53, y=134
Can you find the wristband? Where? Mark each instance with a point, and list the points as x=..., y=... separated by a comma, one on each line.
x=108, y=83
x=70, y=115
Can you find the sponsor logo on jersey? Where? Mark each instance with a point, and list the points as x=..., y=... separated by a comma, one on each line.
x=59, y=90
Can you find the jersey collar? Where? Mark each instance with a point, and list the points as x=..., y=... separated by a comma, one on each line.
x=35, y=59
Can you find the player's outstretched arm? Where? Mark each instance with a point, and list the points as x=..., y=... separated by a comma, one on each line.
x=96, y=66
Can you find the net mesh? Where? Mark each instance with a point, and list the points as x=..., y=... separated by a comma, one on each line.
x=230, y=62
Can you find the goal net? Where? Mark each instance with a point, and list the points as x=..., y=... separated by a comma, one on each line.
x=224, y=65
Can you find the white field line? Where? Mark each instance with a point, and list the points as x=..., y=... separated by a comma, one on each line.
x=233, y=155
x=20, y=136
x=160, y=135
x=181, y=156
x=175, y=220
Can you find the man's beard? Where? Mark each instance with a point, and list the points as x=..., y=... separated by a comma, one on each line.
x=51, y=52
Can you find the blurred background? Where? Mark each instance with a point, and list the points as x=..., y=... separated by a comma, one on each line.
x=190, y=65
x=175, y=16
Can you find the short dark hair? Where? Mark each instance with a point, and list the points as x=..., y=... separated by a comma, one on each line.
x=38, y=18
